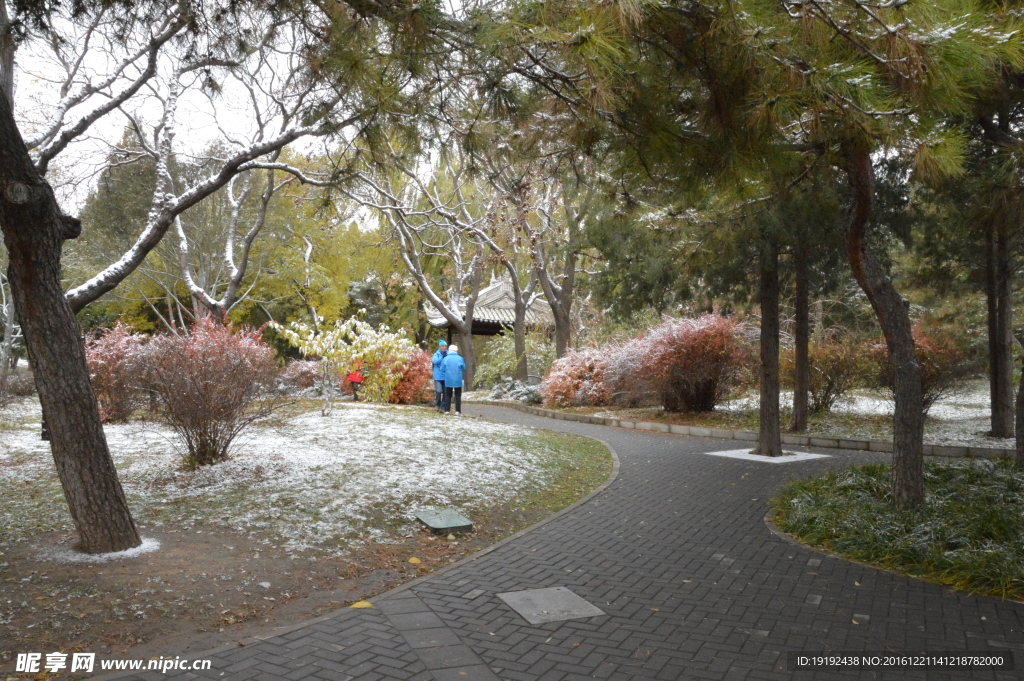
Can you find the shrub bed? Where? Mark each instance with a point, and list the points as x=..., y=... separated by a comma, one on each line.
x=969, y=534
x=681, y=364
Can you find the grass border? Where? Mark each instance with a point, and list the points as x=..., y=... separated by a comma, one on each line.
x=769, y=522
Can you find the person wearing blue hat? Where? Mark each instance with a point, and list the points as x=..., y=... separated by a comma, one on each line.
x=438, y=361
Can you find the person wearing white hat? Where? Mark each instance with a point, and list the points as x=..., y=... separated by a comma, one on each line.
x=453, y=366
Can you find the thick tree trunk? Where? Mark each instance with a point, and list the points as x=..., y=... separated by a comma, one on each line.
x=769, y=442
x=34, y=230
x=894, y=318
x=801, y=339
x=1000, y=325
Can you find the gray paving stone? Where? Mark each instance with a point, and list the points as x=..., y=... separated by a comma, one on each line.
x=400, y=606
x=448, y=656
x=472, y=673
x=415, y=620
x=431, y=638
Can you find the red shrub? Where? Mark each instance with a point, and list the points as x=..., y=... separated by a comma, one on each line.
x=577, y=379
x=692, y=363
x=114, y=366
x=416, y=385
x=944, y=366
x=211, y=385
x=300, y=374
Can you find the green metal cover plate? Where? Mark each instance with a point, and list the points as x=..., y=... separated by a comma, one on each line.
x=445, y=520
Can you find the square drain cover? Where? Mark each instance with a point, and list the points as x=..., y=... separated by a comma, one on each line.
x=538, y=606
x=445, y=520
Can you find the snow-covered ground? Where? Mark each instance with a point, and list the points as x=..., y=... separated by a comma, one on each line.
x=959, y=419
x=312, y=482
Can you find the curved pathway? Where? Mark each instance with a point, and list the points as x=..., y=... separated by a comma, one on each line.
x=693, y=584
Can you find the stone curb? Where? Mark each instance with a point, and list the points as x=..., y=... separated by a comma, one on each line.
x=347, y=612
x=751, y=436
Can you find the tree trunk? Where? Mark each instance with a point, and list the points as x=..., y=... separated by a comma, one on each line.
x=1019, y=415
x=7, y=51
x=468, y=353
x=894, y=318
x=1001, y=334
x=801, y=337
x=769, y=440
x=519, y=342
x=563, y=320
x=34, y=230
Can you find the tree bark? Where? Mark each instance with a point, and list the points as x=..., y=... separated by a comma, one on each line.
x=34, y=230
x=801, y=337
x=894, y=318
x=1019, y=416
x=467, y=350
x=769, y=442
x=1000, y=309
x=7, y=51
x=519, y=329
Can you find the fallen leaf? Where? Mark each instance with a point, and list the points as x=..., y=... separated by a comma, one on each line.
x=655, y=610
x=358, y=605
x=855, y=621
x=575, y=645
x=415, y=561
x=687, y=581
x=241, y=645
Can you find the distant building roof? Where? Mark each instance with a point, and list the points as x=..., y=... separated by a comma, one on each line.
x=496, y=304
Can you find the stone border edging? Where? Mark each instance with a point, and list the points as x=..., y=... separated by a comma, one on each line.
x=342, y=612
x=750, y=436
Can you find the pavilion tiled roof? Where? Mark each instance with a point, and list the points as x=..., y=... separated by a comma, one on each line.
x=496, y=305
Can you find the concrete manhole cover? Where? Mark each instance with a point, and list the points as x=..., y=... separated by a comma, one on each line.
x=538, y=606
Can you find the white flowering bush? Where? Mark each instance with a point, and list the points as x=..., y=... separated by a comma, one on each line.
x=350, y=345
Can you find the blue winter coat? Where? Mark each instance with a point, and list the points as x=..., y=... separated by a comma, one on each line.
x=437, y=359
x=453, y=366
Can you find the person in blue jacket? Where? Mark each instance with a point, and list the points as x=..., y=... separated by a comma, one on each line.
x=453, y=366
x=437, y=359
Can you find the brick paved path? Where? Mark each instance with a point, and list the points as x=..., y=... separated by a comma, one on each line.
x=676, y=553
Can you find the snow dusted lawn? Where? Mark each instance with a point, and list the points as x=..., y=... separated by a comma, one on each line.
x=309, y=481
x=960, y=419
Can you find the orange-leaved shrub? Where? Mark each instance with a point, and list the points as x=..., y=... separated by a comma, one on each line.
x=944, y=366
x=693, y=363
x=837, y=365
x=115, y=364
x=416, y=385
x=576, y=379
x=211, y=384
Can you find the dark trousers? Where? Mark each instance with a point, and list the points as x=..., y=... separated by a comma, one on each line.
x=438, y=394
x=448, y=394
